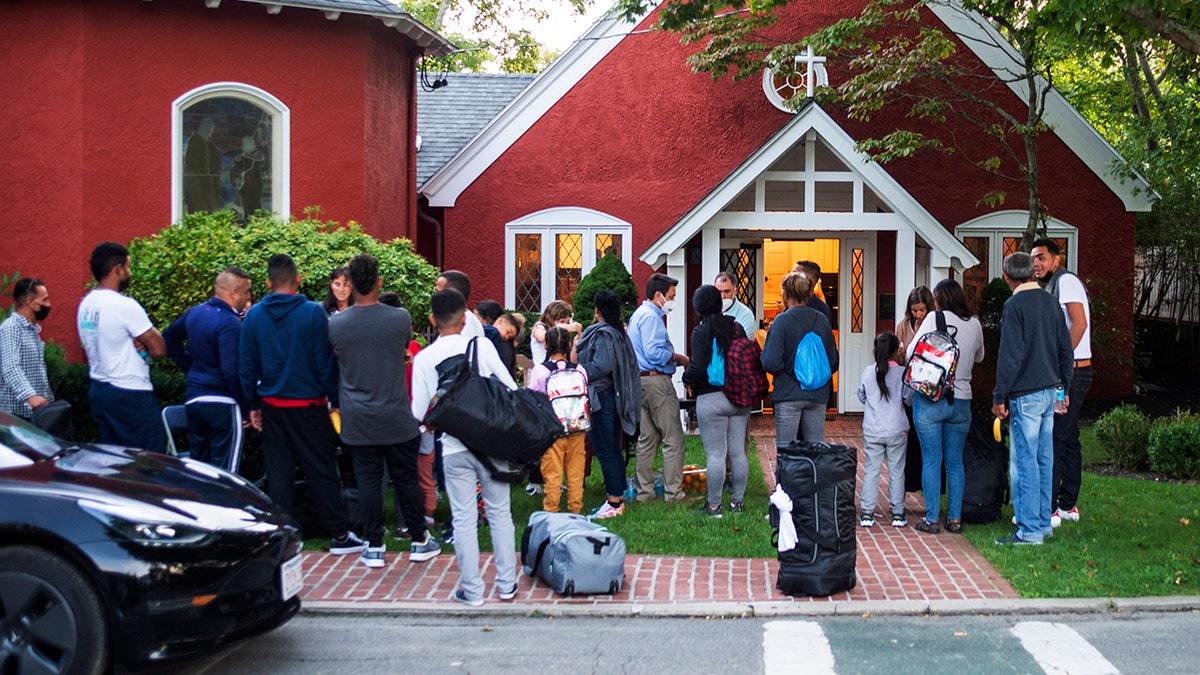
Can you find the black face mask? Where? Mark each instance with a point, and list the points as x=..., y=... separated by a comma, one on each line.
x=41, y=313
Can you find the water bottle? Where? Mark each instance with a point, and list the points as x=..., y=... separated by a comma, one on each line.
x=659, y=488
x=1060, y=400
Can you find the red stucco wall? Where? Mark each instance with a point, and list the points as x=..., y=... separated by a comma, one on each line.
x=644, y=139
x=86, y=149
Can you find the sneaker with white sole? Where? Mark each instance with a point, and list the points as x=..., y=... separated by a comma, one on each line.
x=373, y=556
x=866, y=520
x=461, y=596
x=346, y=544
x=508, y=594
x=1055, y=519
x=898, y=520
x=607, y=510
x=1071, y=515
x=426, y=550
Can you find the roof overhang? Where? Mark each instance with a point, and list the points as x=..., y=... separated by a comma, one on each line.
x=1098, y=154
x=391, y=15
x=947, y=250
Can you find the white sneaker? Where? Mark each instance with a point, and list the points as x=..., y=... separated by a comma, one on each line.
x=373, y=556
x=607, y=510
x=1072, y=515
x=1055, y=519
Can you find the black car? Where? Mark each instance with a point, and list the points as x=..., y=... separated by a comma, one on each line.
x=114, y=556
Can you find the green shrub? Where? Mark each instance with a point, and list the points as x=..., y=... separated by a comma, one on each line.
x=608, y=274
x=1124, y=433
x=174, y=269
x=1174, y=448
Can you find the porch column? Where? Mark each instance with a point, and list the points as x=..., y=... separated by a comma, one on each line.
x=677, y=320
x=906, y=268
x=710, y=243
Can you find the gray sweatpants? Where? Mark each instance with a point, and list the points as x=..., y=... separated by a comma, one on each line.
x=723, y=432
x=462, y=470
x=874, y=449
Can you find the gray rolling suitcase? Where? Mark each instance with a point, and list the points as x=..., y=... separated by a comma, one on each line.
x=573, y=554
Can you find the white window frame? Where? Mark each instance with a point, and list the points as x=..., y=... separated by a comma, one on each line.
x=996, y=226
x=550, y=223
x=280, y=140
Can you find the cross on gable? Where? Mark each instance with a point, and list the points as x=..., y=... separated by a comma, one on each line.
x=812, y=68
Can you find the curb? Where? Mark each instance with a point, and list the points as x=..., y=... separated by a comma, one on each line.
x=739, y=610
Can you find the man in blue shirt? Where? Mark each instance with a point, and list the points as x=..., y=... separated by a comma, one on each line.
x=732, y=307
x=657, y=362
x=204, y=344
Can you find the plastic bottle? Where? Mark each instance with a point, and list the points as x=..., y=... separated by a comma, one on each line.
x=1060, y=400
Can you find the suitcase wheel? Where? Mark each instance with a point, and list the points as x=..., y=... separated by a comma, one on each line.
x=569, y=589
x=613, y=587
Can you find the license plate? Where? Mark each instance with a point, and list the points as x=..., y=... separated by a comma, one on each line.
x=291, y=578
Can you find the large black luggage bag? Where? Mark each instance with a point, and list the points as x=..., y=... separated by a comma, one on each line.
x=985, y=469
x=819, y=478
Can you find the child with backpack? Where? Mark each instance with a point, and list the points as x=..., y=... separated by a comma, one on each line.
x=566, y=385
x=885, y=430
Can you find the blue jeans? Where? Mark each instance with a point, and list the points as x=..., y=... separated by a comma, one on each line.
x=942, y=428
x=127, y=417
x=606, y=442
x=1031, y=461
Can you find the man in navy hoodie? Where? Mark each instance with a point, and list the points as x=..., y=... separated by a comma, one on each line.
x=289, y=375
x=204, y=344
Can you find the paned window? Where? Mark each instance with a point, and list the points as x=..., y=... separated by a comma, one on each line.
x=549, y=253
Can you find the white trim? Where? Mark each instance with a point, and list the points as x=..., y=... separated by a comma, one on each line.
x=1012, y=223
x=447, y=183
x=281, y=141
x=555, y=221
x=1076, y=132
x=907, y=212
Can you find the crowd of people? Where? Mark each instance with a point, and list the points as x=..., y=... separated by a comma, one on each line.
x=349, y=372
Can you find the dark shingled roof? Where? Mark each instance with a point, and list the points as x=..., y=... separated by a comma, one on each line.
x=450, y=116
x=391, y=14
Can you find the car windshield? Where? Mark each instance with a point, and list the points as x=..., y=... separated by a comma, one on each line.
x=21, y=443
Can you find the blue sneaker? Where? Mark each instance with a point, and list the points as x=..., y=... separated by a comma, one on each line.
x=426, y=550
x=1016, y=540
x=461, y=596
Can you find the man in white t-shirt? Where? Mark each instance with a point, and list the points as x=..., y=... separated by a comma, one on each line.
x=459, y=281
x=461, y=468
x=118, y=337
x=1073, y=297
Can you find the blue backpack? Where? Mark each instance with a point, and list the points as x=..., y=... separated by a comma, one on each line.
x=812, y=363
x=716, y=367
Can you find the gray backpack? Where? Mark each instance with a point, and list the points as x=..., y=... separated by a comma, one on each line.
x=573, y=554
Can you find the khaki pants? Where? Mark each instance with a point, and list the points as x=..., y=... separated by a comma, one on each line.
x=566, y=455
x=660, y=424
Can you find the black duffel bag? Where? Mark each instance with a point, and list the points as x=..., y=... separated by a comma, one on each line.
x=515, y=425
x=819, y=478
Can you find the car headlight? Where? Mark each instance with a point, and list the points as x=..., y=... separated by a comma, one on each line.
x=146, y=525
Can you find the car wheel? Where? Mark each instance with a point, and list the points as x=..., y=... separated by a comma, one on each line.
x=50, y=618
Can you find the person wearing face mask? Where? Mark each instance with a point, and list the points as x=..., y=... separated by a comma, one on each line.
x=24, y=384
x=657, y=361
x=117, y=336
x=732, y=307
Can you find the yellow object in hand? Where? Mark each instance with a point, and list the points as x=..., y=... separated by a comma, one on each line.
x=336, y=418
x=996, y=429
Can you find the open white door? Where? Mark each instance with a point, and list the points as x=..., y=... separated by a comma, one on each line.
x=856, y=320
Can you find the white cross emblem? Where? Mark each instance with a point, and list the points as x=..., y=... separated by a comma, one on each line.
x=813, y=68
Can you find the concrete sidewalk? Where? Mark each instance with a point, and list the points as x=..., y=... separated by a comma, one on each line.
x=900, y=571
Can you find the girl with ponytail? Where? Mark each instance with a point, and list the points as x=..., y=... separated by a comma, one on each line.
x=885, y=430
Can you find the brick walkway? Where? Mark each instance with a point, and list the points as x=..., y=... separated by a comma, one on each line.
x=893, y=564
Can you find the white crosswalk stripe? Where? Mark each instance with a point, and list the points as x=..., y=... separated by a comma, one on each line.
x=1059, y=650
x=796, y=647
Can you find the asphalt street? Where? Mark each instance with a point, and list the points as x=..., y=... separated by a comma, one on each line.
x=1091, y=643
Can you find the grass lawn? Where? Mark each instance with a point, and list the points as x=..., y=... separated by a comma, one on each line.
x=1135, y=538
x=654, y=527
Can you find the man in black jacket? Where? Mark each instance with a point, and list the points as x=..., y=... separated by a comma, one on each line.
x=1035, y=359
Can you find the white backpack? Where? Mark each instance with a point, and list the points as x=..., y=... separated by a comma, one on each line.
x=568, y=393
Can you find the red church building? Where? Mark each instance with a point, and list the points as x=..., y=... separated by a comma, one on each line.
x=618, y=145
x=120, y=116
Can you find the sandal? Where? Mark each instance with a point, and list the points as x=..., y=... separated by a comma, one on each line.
x=954, y=526
x=928, y=527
